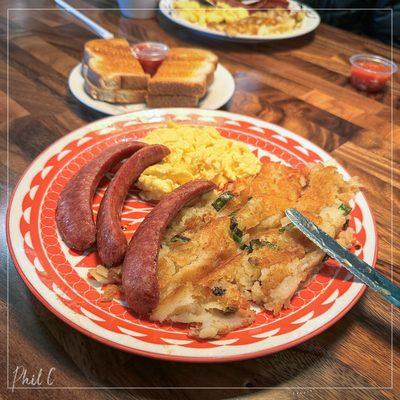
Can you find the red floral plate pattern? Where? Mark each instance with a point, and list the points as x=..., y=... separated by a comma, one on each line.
x=58, y=277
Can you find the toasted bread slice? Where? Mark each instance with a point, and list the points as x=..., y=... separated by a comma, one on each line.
x=124, y=96
x=184, y=54
x=154, y=100
x=102, y=47
x=190, y=54
x=113, y=74
x=117, y=73
x=111, y=65
x=182, y=78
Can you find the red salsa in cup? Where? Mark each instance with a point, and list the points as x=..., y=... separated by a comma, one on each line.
x=370, y=72
x=150, y=55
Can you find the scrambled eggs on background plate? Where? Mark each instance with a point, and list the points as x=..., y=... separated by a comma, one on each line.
x=197, y=152
x=239, y=20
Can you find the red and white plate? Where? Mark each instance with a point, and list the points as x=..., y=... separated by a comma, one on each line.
x=58, y=277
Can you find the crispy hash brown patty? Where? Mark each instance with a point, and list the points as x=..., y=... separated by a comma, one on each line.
x=236, y=247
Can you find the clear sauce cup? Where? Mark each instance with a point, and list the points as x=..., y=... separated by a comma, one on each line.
x=370, y=72
x=150, y=55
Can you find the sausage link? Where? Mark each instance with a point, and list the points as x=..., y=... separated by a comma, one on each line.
x=139, y=270
x=74, y=216
x=111, y=241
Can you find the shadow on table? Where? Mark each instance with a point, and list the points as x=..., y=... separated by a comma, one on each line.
x=81, y=110
x=310, y=364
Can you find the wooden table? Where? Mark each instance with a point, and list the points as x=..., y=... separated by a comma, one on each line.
x=301, y=85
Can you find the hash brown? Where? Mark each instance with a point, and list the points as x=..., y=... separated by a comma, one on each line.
x=214, y=264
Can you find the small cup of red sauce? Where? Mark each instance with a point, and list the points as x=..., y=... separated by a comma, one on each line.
x=370, y=72
x=150, y=55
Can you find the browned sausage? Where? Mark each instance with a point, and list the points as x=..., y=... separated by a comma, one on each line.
x=139, y=270
x=110, y=239
x=74, y=216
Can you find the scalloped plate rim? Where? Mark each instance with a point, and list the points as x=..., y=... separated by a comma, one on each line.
x=100, y=123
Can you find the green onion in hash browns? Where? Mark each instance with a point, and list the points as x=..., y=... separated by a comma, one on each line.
x=222, y=200
x=286, y=227
x=346, y=209
x=180, y=238
x=258, y=243
x=218, y=291
x=263, y=243
x=236, y=233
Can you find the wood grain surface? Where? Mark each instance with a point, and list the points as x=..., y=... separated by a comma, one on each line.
x=302, y=85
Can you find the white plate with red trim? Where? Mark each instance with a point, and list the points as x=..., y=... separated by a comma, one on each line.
x=218, y=94
x=57, y=276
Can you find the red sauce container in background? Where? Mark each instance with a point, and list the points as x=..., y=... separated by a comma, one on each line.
x=150, y=55
x=370, y=72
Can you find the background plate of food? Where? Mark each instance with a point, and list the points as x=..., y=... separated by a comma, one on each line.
x=263, y=21
x=112, y=80
x=262, y=287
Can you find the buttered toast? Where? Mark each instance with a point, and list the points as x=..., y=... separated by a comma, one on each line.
x=184, y=76
x=113, y=74
x=188, y=54
x=117, y=48
x=128, y=96
x=111, y=64
x=159, y=101
x=118, y=73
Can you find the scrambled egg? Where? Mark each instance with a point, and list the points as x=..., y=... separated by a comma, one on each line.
x=197, y=13
x=196, y=153
x=237, y=20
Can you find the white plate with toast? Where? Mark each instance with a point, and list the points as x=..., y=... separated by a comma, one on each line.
x=309, y=23
x=219, y=93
